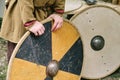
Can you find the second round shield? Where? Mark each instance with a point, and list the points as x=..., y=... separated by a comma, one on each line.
x=99, y=26
x=71, y=5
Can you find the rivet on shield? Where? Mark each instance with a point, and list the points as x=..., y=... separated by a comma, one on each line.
x=97, y=43
x=52, y=68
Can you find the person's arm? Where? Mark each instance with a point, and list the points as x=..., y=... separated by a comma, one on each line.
x=59, y=6
x=57, y=16
x=26, y=9
x=27, y=16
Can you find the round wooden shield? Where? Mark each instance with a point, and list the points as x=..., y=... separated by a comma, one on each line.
x=71, y=5
x=99, y=26
x=52, y=56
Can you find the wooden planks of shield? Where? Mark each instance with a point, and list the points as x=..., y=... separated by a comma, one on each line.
x=32, y=55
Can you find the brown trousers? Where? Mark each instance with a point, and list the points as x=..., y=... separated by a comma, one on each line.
x=10, y=47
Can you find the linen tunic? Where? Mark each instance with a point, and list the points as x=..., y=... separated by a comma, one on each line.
x=20, y=12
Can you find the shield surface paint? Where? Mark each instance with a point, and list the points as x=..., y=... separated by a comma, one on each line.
x=32, y=54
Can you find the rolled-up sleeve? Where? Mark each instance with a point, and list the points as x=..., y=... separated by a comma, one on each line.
x=59, y=6
x=27, y=10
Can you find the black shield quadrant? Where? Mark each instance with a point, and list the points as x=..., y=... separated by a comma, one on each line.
x=37, y=49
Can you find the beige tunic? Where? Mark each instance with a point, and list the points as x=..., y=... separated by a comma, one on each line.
x=117, y=2
x=21, y=11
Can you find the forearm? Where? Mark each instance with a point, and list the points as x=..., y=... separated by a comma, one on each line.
x=59, y=7
x=26, y=9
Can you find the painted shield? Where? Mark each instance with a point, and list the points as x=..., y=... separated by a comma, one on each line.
x=99, y=26
x=71, y=5
x=53, y=56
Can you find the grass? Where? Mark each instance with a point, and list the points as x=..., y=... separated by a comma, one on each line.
x=3, y=62
x=3, y=70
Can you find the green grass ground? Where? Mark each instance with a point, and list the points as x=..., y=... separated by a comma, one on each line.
x=3, y=61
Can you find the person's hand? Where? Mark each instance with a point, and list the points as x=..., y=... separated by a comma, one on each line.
x=38, y=28
x=58, y=21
